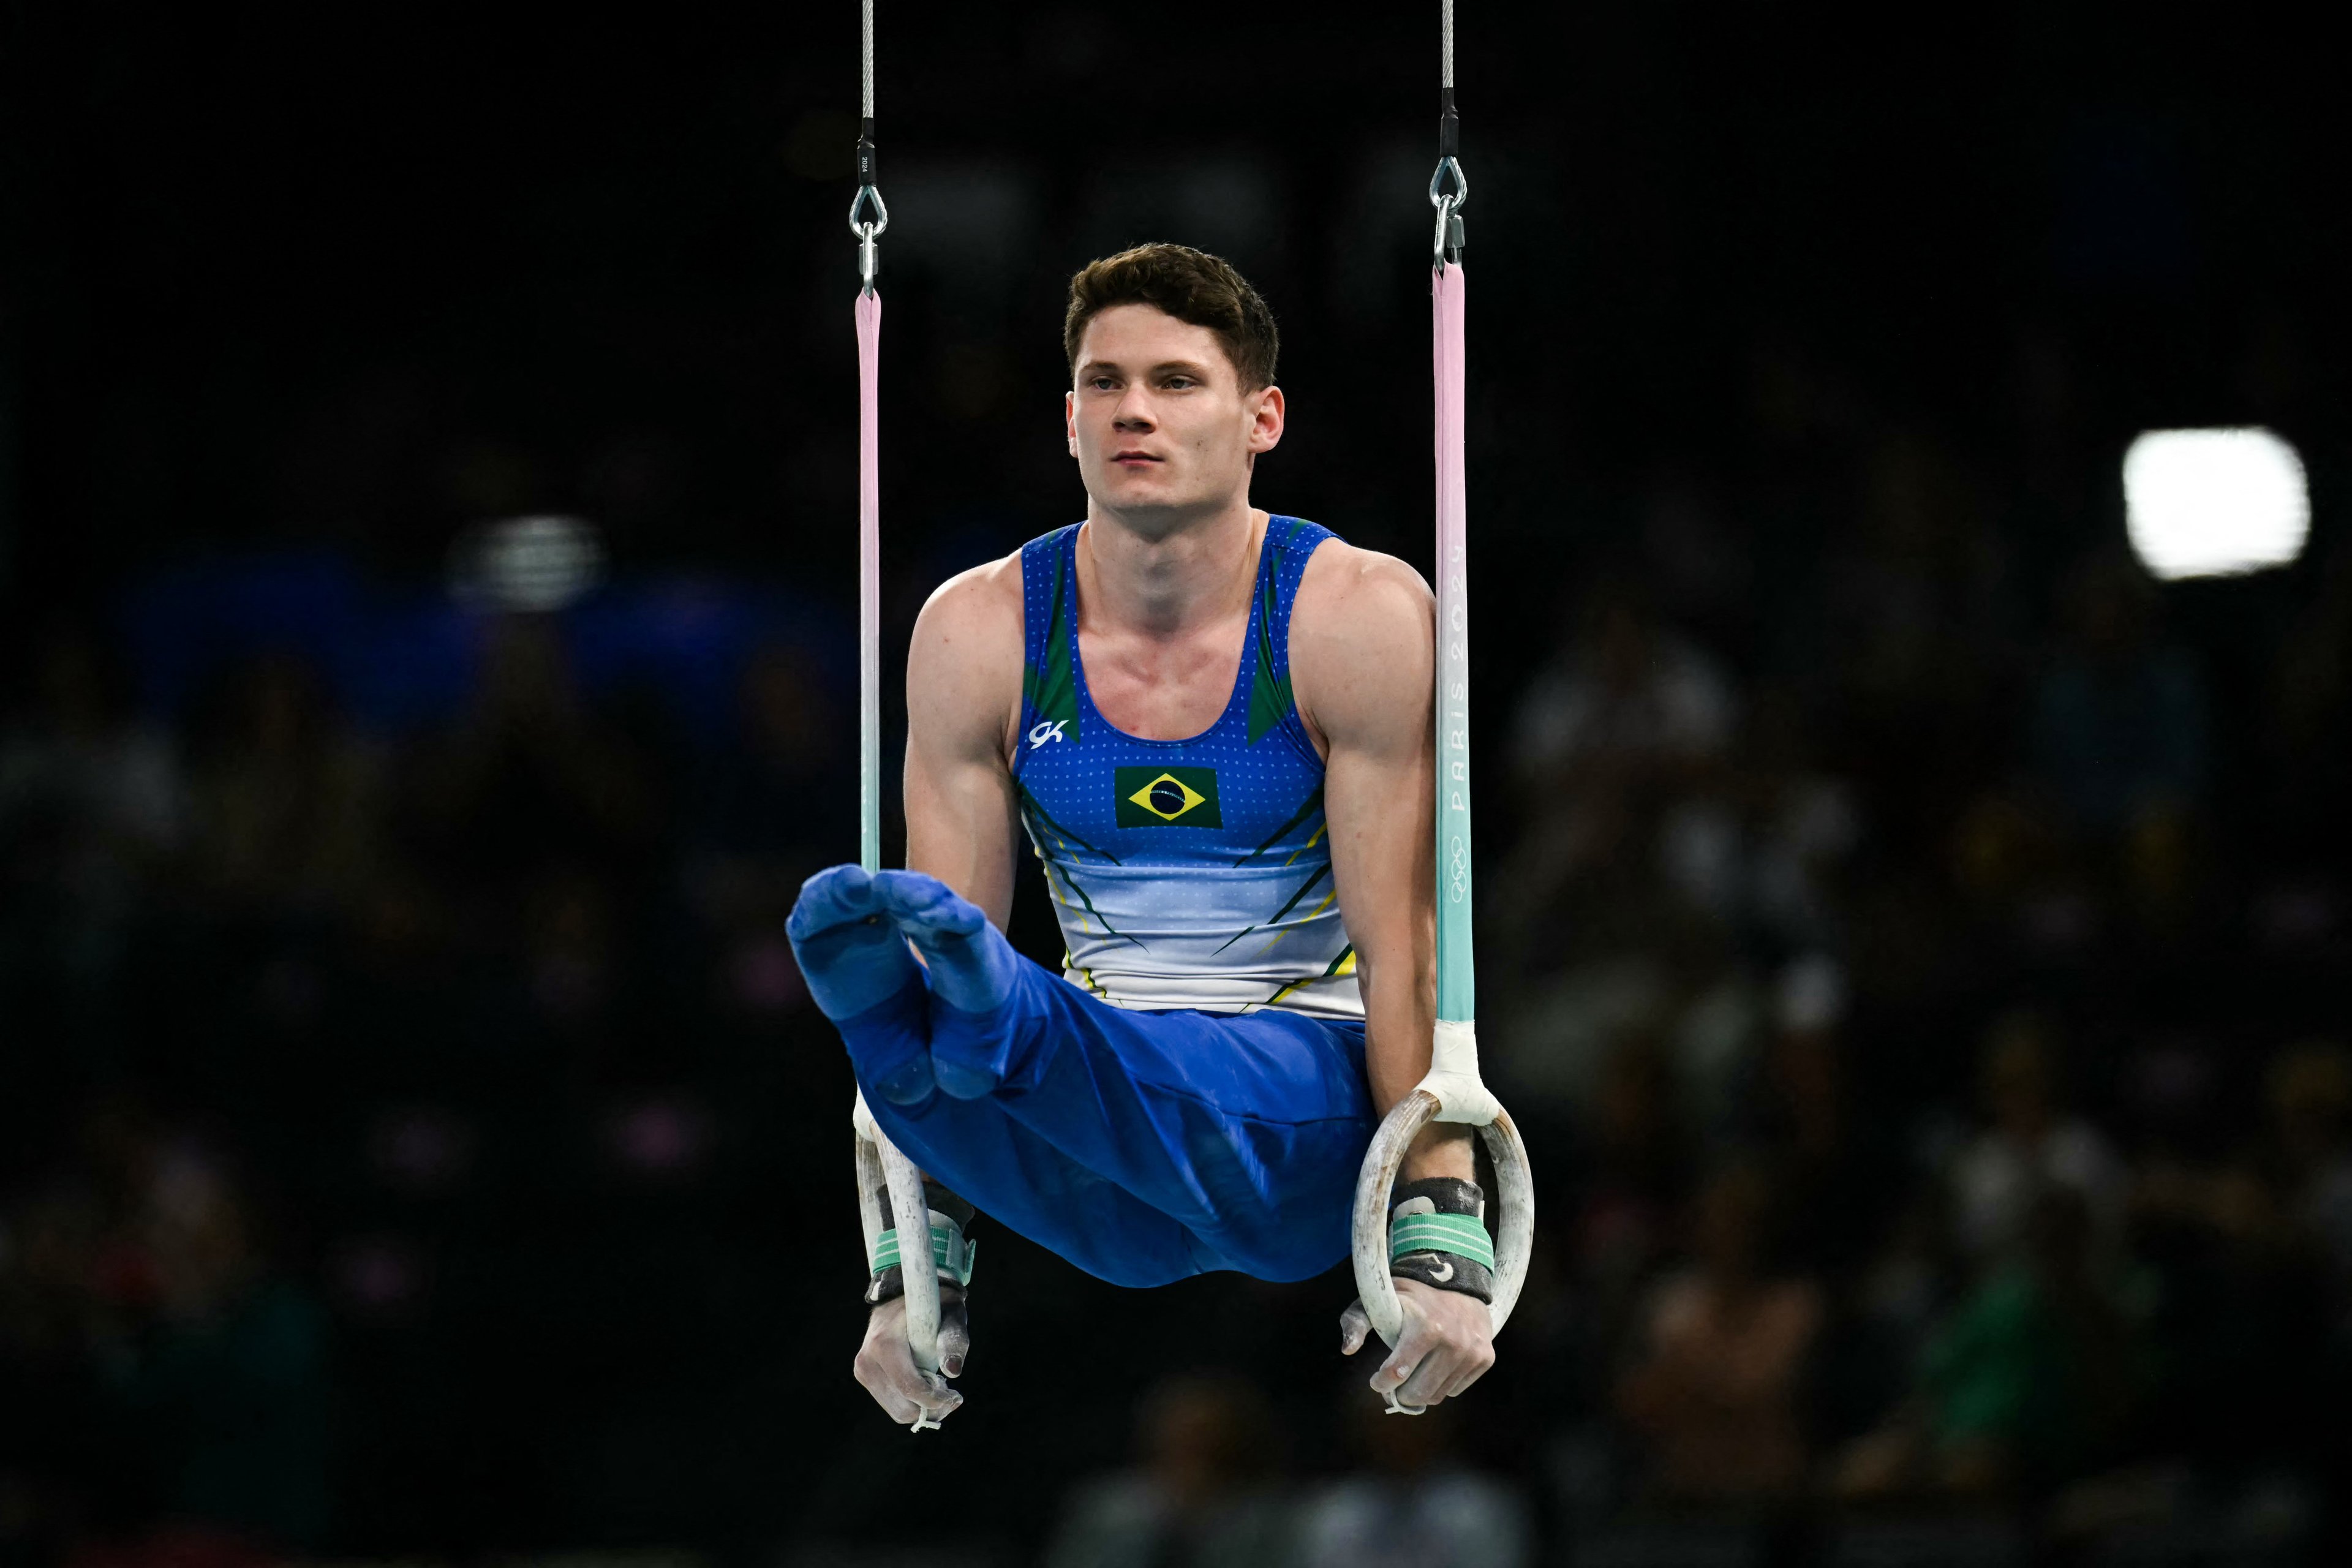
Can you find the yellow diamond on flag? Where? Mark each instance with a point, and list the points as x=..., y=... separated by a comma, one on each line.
x=1167, y=798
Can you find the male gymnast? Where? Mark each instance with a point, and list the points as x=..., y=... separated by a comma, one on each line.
x=1215, y=727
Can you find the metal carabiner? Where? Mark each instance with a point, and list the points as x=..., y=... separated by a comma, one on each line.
x=1460, y=191
x=868, y=230
x=1449, y=205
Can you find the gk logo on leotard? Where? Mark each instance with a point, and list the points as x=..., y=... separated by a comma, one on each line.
x=1048, y=732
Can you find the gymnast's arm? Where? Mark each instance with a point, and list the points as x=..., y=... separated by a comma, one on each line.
x=1362, y=663
x=963, y=692
x=1362, y=641
x=964, y=702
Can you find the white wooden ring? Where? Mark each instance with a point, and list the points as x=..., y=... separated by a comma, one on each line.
x=878, y=1160
x=1516, y=1198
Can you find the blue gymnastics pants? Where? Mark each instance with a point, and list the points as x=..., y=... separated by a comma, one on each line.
x=1144, y=1147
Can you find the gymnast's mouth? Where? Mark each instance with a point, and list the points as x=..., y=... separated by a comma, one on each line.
x=1132, y=456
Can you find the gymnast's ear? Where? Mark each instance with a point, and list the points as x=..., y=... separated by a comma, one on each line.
x=1268, y=413
x=1070, y=420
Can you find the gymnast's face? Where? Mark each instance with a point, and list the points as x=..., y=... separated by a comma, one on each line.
x=1161, y=424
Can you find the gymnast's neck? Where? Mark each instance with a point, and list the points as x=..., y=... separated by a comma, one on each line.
x=1168, y=578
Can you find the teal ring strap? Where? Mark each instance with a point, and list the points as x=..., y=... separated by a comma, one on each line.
x=949, y=1251
x=1458, y=1234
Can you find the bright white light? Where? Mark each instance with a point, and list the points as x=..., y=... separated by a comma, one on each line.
x=2214, y=503
x=528, y=563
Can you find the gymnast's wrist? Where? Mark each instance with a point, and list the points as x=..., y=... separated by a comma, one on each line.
x=1437, y=1236
x=952, y=1251
x=1442, y=1150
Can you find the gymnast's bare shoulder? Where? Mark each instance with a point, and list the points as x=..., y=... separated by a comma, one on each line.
x=963, y=667
x=1362, y=632
x=963, y=704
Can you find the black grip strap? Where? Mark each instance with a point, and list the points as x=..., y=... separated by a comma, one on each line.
x=892, y=1283
x=1443, y=1270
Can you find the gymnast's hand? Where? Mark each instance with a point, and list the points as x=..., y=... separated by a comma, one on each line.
x=887, y=1369
x=1447, y=1344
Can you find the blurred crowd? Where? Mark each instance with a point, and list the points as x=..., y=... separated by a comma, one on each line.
x=1919, y=961
x=1913, y=941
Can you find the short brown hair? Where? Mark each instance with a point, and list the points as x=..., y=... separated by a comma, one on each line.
x=1188, y=284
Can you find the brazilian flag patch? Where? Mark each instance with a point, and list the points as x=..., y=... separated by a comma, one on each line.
x=1173, y=797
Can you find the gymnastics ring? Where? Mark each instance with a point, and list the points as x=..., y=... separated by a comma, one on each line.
x=881, y=1165
x=1451, y=1092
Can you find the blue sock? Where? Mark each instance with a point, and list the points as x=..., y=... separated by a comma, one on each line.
x=890, y=1048
x=861, y=976
x=970, y=964
x=972, y=970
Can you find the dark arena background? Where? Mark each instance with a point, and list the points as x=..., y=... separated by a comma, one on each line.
x=1916, y=907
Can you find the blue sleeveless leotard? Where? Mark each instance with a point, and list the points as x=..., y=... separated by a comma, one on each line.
x=1197, y=1101
x=1193, y=873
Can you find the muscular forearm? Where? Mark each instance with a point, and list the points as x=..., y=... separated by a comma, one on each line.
x=1398, y=1014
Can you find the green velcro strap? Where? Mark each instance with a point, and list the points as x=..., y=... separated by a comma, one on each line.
x=949, y=1250
x=1458, y=1234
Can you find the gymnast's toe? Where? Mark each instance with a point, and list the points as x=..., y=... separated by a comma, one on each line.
x=849, y=952
x=836, y=896
x=925, y=906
